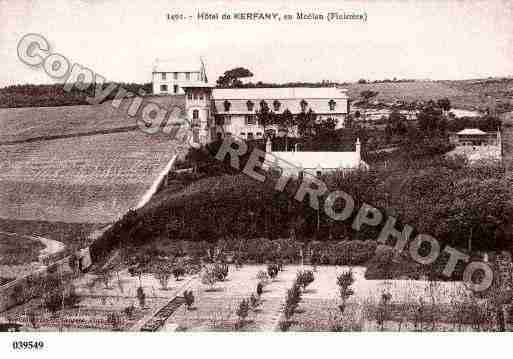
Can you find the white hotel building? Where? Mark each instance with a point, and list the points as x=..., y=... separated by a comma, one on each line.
x=224, y=112
x=215, y=113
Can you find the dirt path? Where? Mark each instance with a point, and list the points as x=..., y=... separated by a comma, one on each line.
x=51, y=246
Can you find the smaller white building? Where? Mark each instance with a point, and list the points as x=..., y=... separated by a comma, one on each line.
x=169, y=77
x=298, y=163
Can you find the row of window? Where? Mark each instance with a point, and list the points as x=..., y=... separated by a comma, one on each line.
x=276, y=105
x=226, y=120
x=248, y=136
x=195, y=95
x=175, y=76
x=164, y=88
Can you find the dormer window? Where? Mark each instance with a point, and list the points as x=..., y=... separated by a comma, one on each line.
x=276, y=105
x=332, y=105
x=303, y=105
x=250, y=105
x=227, y=106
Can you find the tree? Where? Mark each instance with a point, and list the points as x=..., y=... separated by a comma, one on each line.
x=306, y=122
x=264, y=115
x=344, y=282
x=366, y=95
x=396, y=124
x=209, y=277
x=231, y=78
x=430, y=118
x=163, y=274
x=444, y=104
x=141, y=297
x=305, y=278
x=242, y=312
x=383, y=311
x=286, y=123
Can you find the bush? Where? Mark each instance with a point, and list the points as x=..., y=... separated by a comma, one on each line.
x=305, y=278
x=141, y=297
x=384, y=265
x=254, y=302
x=189, y=298
x=242, y=312
x=272, y=270
x=292, y=300
x=178, y=272
x=259, y=289
x=129, y=311
x=163, y=278
x=220, y=271
x=209, y=276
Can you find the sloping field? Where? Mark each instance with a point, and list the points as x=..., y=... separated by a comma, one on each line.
x=90, y=179
x=419, y=91
x=18, y=124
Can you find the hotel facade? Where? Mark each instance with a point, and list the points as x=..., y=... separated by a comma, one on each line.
x=216, y=113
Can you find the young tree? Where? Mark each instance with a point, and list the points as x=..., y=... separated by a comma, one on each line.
x=163, y=277
x=383, y=311
x=242, y=312
x=305, y=278
x=254, y=302
x=209, y=277
x=344, y=282
x=189, y=299
x=141, y=297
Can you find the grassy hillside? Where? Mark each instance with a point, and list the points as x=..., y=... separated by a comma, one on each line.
x=465, y=94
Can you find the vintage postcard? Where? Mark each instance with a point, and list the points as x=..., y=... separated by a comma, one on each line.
x=255, y=166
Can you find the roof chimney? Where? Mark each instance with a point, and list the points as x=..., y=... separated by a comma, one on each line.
x=268, y=145
x=358, y=150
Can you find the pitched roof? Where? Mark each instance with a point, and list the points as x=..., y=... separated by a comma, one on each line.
x=313, y=160
x=471, y=131
x=279, y=93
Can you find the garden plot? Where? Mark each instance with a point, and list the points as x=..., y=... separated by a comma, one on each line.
x=215, y=307
x=318, y=309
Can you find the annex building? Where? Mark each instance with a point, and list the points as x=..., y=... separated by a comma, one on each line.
x=169, y=77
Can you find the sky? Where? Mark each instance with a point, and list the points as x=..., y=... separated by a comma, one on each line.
x=404, y=39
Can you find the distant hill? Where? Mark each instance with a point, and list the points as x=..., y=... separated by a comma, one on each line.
x=463, y=94
x=54, y=95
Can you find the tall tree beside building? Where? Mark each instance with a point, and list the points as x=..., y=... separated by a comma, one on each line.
x=232, y=78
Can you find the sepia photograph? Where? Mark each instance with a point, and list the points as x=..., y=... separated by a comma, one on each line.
x=293, y=168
